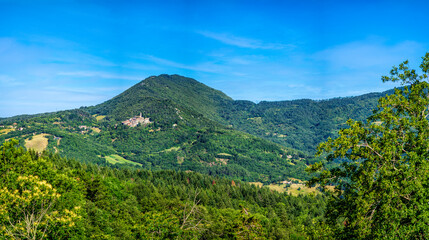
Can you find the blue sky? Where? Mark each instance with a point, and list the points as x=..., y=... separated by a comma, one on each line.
x=57, y=55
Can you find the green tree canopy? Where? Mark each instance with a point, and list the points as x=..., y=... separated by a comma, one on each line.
x=382, y=186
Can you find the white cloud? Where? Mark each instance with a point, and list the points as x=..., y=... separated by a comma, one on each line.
x=243, y=42
x=8, y=80
x=201, y=67
x=368, y=54
x=98, y=74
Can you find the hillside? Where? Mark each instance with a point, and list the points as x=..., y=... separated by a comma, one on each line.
x=185, y=92
x=171, y=135
x=174, y=122
x=299, y=124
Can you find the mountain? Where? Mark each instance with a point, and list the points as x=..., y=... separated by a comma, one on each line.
x=170, y=89
x=299, y=124
x=165, y=122
x=174, y=122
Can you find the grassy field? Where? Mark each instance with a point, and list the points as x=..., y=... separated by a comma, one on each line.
x=258, y=184
x=97, y=130
x=114, y=158
x=38, y=142
x=294, y=188
x=180, y=160
x=224, y=154
x=171, y=149
x=99, y=117
x=6, y=131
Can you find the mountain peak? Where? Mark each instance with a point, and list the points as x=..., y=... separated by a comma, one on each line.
x=173, y=79
x=180, y=90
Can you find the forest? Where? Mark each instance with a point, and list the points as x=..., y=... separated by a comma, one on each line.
x=189, y=172
x=46, y=196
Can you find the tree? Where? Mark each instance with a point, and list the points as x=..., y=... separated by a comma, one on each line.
x=36, y=200
x=27, y=212
x=382, y=185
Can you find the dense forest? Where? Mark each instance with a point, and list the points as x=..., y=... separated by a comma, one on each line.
x=67, y=199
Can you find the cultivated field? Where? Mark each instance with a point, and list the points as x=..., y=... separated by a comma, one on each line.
x=99, y=117
x=6, y=131
x=38, y=142
x=294, y=189
x=114, y=158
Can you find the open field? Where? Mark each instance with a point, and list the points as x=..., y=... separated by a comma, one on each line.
x=258, y=184
x=114, y=158
x=294, y=189
x=38, y=142
x=99, y=117
x=97, y=130
x=171, y=149
x=6, y=131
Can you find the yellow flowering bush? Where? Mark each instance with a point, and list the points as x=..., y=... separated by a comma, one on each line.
x=28, y=211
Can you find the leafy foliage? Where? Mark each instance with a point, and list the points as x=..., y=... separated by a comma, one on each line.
x=36, y=201
x=381, y=190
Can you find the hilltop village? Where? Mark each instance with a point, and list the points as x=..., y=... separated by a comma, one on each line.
x=134, y=121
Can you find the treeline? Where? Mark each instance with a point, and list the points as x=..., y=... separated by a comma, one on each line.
x=73, y=200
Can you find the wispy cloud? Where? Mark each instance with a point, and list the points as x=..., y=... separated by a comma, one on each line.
x=243, y=42
x=200, y=67
x=18, y=52
x=8, y=80
x=82, y=91
x=368, y=53
x=356, y=67
x=98, y=74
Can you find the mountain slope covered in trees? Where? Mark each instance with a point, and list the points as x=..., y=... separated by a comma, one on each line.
x=189, y=126
x=299, y=124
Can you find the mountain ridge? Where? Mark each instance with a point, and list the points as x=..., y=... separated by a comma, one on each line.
x=194, y=127
x=301, y=123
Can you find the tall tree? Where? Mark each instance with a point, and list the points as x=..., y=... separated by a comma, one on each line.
x=382, y=186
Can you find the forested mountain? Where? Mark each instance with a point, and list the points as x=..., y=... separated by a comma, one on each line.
x=171, y=89
x=299, y=124
x=174, y=122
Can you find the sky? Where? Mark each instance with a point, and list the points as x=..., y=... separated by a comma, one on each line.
x=57, y=55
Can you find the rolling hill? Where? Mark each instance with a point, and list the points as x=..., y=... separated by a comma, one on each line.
x=174, y=122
